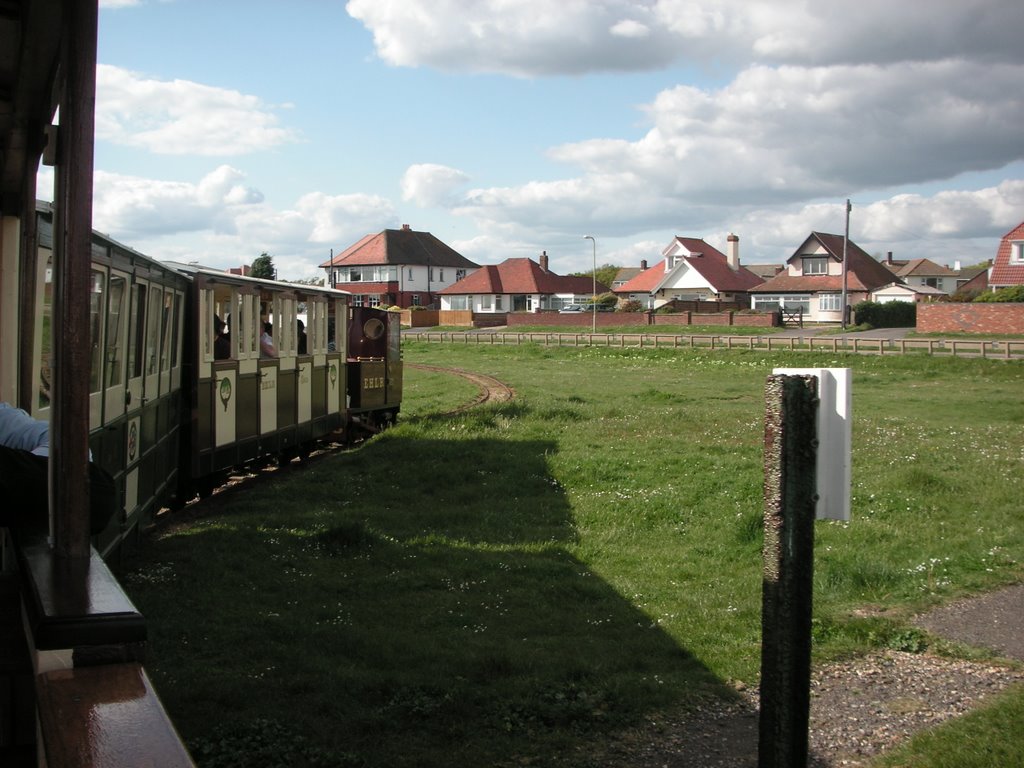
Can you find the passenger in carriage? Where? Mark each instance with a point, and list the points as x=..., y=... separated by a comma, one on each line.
x=267, y=348
x=24, y=476
x=302, y=336
x=221, y=341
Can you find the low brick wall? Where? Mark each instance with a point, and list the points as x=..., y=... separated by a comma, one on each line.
x=576, y=319
x=972, y=317
x=760, y=320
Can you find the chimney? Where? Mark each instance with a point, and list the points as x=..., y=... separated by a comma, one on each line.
x=544, y=261
x=732, y=251
x=643, y=265
x=406, y=228
x=888, y=258
x=956, y=266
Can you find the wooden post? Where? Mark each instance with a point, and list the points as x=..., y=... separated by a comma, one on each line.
x=790, y=453
x=72, y=240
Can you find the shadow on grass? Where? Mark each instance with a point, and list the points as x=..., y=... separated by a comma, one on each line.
x=414, y=602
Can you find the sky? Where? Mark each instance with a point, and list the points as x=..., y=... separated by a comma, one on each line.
x=507, y=128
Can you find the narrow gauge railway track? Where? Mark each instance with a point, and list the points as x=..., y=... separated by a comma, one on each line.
x=491, y=389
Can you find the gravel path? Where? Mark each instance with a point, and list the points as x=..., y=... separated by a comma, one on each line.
x=859, y=708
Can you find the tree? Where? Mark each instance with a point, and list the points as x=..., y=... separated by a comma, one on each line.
x=263, y=267
x=605, y=274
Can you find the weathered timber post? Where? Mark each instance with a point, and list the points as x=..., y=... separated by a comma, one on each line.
x=790, y=457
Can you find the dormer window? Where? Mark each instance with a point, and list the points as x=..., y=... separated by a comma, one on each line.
x=1017, y=252
x=815, y=265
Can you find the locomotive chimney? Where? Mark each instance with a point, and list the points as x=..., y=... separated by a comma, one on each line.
x=732, y=251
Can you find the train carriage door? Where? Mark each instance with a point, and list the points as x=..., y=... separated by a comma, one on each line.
x=337, y=347
x=135, y=358
x=43, y=332
x=269, y=311
x=116, y=341
x=97, y=331
x=305, y=363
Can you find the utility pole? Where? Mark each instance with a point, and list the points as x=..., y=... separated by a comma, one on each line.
x=846, y=244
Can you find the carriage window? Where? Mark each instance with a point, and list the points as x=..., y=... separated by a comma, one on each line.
x=96, y=307
x=153, y=329
x=136, y=329
x=167, y=321
x=115, y=353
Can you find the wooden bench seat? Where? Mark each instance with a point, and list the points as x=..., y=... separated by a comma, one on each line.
x=106, y=716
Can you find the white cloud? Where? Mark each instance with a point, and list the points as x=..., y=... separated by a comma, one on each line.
x=428, y=184
x=521, y=38
x=774, y=136
x=179, y=117
x=222, y=222
x=538, y=37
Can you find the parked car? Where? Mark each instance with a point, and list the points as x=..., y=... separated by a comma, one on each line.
x=572, y=308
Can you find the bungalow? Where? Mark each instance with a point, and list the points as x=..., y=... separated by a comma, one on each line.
x=692, y=270
x=812, y=281
x=906, y=292
x=400, y=267
x=518, y=285
x=1008, y=268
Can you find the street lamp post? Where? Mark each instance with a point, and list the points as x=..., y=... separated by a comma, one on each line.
x=593, y=297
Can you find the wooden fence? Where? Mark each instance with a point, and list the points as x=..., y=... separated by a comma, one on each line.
x=1001, y=349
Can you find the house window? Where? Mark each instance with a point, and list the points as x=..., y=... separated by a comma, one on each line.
x=766, y=303
x=459, y=274
x=415, y=299
x=440, y=274
x=357, y=300
x=815, y=265
x=1017, y=252
x=410, y=273
x=497, y=303
x=830, y=302
x=374, y=300
x=797, y=302
x=485, y=303
x=431, y=273
x=460, y=302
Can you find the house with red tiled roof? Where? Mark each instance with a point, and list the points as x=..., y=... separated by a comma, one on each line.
x=813, y=279
x=692, y=270
x=1008, y=268
x=397, y=267
x=518, y=285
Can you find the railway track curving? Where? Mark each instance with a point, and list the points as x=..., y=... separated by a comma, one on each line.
x=491, y=389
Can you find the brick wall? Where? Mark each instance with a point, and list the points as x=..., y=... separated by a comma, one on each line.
x=576, y=319
x=955, y=317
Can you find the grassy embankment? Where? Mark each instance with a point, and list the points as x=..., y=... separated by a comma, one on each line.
x=514, y=583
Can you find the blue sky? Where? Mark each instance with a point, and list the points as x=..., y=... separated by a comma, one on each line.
x=511, y=127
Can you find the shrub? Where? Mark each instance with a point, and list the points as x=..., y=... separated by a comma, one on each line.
x=1014, y=293
x=893, y=314
x=631, y=306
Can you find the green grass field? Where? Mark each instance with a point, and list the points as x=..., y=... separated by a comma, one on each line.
x=514, y=583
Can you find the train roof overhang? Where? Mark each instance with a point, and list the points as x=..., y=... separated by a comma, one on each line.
x=30, y=41
x=218, y=275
